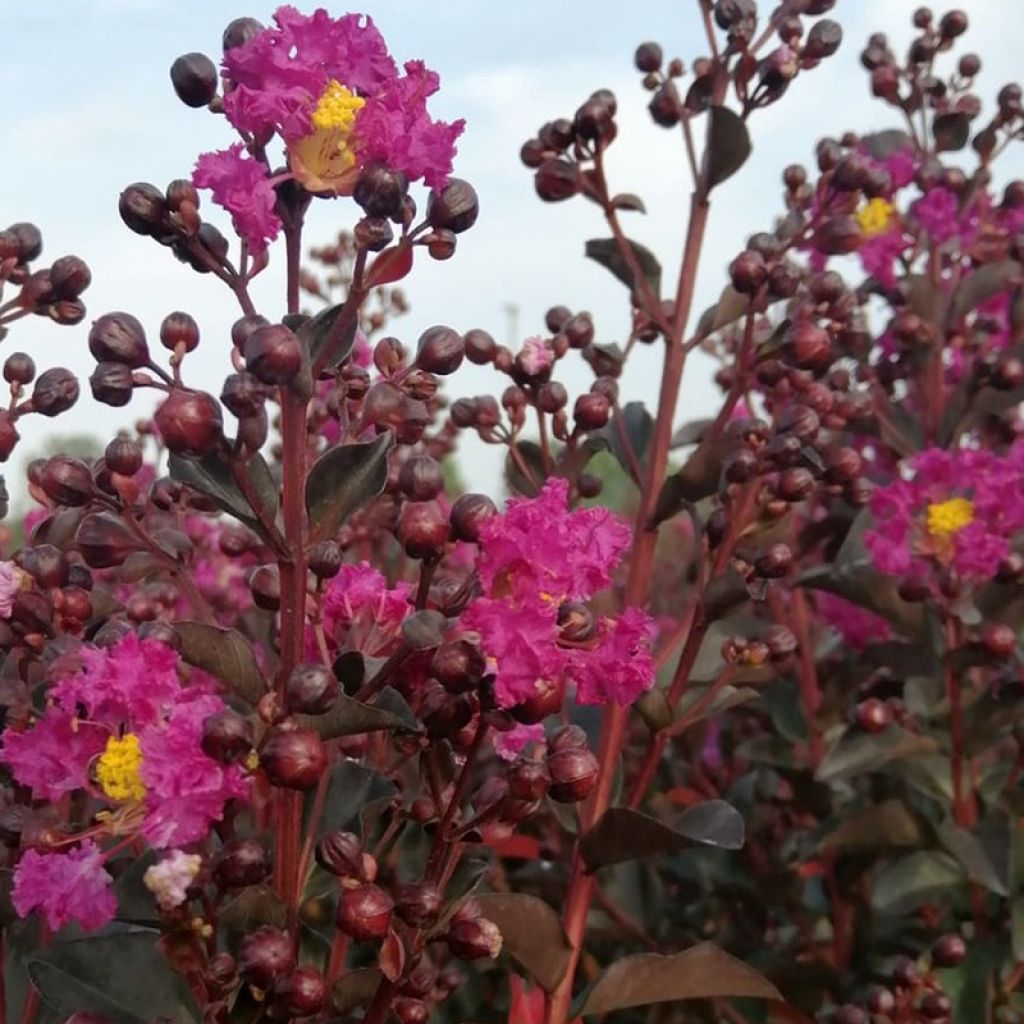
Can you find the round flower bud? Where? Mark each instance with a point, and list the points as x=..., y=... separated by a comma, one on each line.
x=67, y=481
x=325, y=559
x=227, y=736
x=838, y=236
x=953, y=24
x=265, y=586
x=795, y=484
x=311, y=689
x=775, y=562
x=949, y=951
x=455, y=207
x=458, y=666
x=591, y=411
x=69, y=277
x=665, y=108
x=421, y=478
x=480, y=347
x=265, y=956
x=55, y=391
x=241, y=863
x=373, y=233
x=873, y=715
x=807, y=346
x=111, y=384
x=273, y=354
x=179, y=329
x=104, y=541
x=243, y=395
x=19, y=368
x=364, y=913
x=556, y=180
x=850, y=1014
x=194, y=77
x=341, y=854
x=474, y=939
x=380, y=191
x=189, y=422
x=579, y=330
x=182, y=191
x=142, y=208
x=418, y=903
x=244, y=326
x=440, y=350
x=239, y=32
x=411, y=1011
x=301, y=994
x=546, y=699
x=468, y=513
x=880, y=1000
x=123, y=456
x=422, y=529
x=573, y=773
x=999, y=639
x=648, y=57
x=294, y=759
x=748, y=272
x=119, y=338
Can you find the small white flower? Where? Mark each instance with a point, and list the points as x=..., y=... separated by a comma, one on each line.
x=169, y=879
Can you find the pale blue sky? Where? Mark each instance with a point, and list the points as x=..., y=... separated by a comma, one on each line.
x=88, y=109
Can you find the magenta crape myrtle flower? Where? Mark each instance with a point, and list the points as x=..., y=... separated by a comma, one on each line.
x=10, y=583
x=332, y=92
x=957, y=509
x=361, y=612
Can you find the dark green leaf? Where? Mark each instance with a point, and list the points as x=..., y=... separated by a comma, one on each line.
x=883, y=826
x=881, y=145
x=225, y=654
x=351, y=786
x=854, y=754
x=629, y=201
x=528, y=485
x=122, y=975
x=391, y=265
x=343, y=480
x=701, y=972
x=911, y=881
x=316, y=332
x=606, y=252
x=636, y=423
x=951, y=131
x=696, y=480
x=972, y=857
x=531, y=932
x=350, y=717
x=355, y=988
x=623, y=834
x=728, y=145
x=424, y=629
x=692, y=432
x=731, y=305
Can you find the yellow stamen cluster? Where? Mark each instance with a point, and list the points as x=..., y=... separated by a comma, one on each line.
x=875, y=216
x=118, y=770
x=948, y=517
x=337, y=108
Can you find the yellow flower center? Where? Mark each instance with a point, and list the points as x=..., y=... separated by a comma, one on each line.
x=948, y=517
x=118, y=770
x=875, y=216
x=323, y=160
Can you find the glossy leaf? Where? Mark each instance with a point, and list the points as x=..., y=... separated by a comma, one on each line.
x=629, y=201
x=623, y=834
x=343, y=480
x=391, y=265
x=350, y=717
x=606, y=252
x=531, y=932
x=528, y=485
x=728, y=145
x=731, y=305
x=697, y=479
x=350, y=788
x=316, y=332
x=701, y=972
x=634, y=423
x=856, y=753
x=914, y=880
x=424, y=629
x=225, y=654
x=879, y=827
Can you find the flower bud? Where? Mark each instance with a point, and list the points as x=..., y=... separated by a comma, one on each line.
x=181, y=191
x=104, y=541
x=190, y=422
x=527, y=780
x=179, y=329
x=311, y=689
x=373, y=233
x=380, y=191
x=67, y=481
x=480, y=347
x=545, y=699
x=55, y=391
x=591, y=411
x=273, y=354
x=142, y=208
x=294, y=759
x=775, y=562
x=265, y=586
x=949, y=951
x=455, y=207
x=243, y=395
x=119, y=338
x=421, y=478
x=19, y=368
x=227, y=736
x=665, y=108
x=468, y=514
x=418, y=904
x=579, y=330
x=411, y=1011
x=795, y=484
x=341, y=854
x=458, y=666
x=241, y=863
x=265, y=956
x=194, y=77
x=240, y=31
x=69, y=277
x=748, y=272
x=474, y=939
x=440, y=351
x=364, y=913
x=422, y=529
x=999, y=639
x=301, y=994
x=123, y=456
x=807, y=347
x=648, y=57
x=873, y=715
x=325, y=559
x=574, y=773
x=556, y=180
x=112, y=384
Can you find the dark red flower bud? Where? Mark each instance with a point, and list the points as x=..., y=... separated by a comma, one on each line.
x=179, y=329
x=795, y=484
x=823, y=40
x=265, y=585
x=69, y=277
x=949, y=951
x=111, y=384
x=239, y=32
x=301, y=994
x=380, y=191
x=311, y=689
x=850, y=1014
x=579, y=330
x=556, y=180
x=325, y=559
x=240, y=863
x=440, y=350
x=748, y=272
x=55, y=391
x=294, y=759
x=194, y=77
x=266, y=956
x=142, y=207
x=243, y=395
x=19, y=368
x=838, y=236
x=873, y=715
x=411, y=1011
x=104, y=541
x=546, y=699
x=665, y=108
x=775, y=562
x=880, y=1000
x=422, y=529
x=123, y=456
x=181, y=191
x=807, y=347
x=227, y=736
x=46, y=564
x=455, y=208
x=591, y=411
x=364, y=913
x=936, y=1006
x=67, y=481
x=953, y=24
x=119, y=338
x=999, y=639
x=479, y=346
x=648, y=57
x=468, y=513
x=421, y=478
x=190, y=422
x=418, y=903
x=527, y=780
x=474, y=939
x=458, y=666
x=574, y=773
x=341, y=854
x=904, y=973
x=273, y=354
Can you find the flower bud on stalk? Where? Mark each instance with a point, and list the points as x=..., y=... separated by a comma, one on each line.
x=294, y=759
x=266, y=956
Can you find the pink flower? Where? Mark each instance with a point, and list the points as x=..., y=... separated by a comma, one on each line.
x=509, y=745
x=620, y=667
x=53, y=757
x=959, y=508
x=536, y=356
x=240, y=184
x=857, y=626
x=936, y=212
x=10, y=583
x=65, y=887
x=879, y=253
x=361, y=610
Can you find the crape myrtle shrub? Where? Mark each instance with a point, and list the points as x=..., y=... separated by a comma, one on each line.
x=293, y=732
